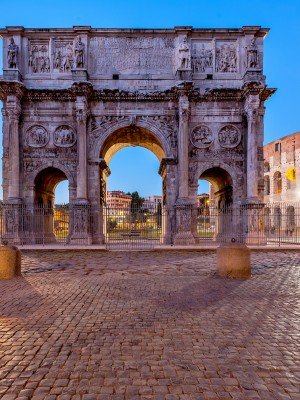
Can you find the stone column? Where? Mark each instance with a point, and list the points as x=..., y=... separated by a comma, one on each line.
x=81, y=117
x=13, y=109
x=80, y=211
x=252, y=211
x=251, y=108
x=184, y=205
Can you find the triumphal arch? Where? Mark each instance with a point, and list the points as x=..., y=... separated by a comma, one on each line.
x=73, y=97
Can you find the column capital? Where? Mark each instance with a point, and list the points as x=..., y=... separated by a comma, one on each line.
x=183, y=106
x=252, y=104
x=81, y=107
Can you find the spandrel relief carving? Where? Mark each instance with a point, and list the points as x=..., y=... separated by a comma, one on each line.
x=12, y=54
x=201, y=136
x=202, y=57
x=64, y=136
x=63, y=56
x=37, y=136
x=39, y=60
x=229, y=136
x=131, y=55
x=226, y=57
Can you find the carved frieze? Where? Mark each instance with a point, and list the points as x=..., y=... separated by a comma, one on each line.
x=39, y=58
x=226, y=57
x=37, y=136
x=202, y=57
x=229, y=136
x=201, y=136
x=64, y=136
x=12, y=54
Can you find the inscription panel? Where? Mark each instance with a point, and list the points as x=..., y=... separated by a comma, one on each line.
x=131, y=55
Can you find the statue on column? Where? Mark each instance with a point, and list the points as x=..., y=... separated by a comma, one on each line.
x=252, y=59
x=79, y=53
x=12, y=53
x=184, y=55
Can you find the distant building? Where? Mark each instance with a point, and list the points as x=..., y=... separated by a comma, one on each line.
x=151, y=202
x=118, y=199
x=282, y=169
x=202, y=199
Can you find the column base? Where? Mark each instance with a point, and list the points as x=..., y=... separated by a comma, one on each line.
x=184, y=238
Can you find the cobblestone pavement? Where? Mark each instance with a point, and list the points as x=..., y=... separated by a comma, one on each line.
x=149, y=325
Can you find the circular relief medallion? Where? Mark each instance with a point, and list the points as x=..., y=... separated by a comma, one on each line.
x=37, y=136
x=229, y=136
x=201, y=137
x=64, y=136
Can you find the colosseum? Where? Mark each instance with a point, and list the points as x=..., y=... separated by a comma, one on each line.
x=282, y=170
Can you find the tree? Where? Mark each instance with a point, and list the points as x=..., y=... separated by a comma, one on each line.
x=136, y=201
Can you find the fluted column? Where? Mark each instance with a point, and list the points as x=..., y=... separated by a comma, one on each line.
x=184, y=206
x=81, y=117
x=183, y=135
x=13, y=109
x=251, y=108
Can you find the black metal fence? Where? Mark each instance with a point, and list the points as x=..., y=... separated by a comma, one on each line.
x=139, y=227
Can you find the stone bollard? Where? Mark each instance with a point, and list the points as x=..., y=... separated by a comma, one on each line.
x=233, y=260
x=10, y=262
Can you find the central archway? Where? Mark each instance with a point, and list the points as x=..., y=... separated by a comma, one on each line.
x=139, y=223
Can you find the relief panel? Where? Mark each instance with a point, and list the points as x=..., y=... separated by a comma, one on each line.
x=226, y=56
x=202, y=56
x=38, y=57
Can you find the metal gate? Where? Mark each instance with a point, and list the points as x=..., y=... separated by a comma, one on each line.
x=133, y=227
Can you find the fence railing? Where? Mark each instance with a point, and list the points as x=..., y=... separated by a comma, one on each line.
x=141, y=227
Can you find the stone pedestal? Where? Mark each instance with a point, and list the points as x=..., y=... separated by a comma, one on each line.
x=80, y=224
x=254, y=224
x=12, y=75
x=233, y=260
x=10, y=262
x=79, y=75
x=184, y=235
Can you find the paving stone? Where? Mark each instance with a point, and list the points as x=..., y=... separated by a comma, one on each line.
x=149, y=325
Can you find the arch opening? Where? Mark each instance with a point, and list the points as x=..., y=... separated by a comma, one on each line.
x=51, y=218
x=133, y=211
x=131, y=136
x=214, y=215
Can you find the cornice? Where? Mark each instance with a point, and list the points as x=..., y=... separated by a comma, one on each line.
x=86, y=89
x=8, y=88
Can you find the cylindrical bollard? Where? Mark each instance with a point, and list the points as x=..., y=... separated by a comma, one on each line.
x=233, y=260
x=10, y=262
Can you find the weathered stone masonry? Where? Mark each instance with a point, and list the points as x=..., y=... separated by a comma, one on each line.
x=73, y=97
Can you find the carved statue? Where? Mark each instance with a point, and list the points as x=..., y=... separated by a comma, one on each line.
x=68, y=59
x=184, y=55
x=12, y=54
x=79, y=53
x=226, y=59
x=58, y=61
x=252, y=59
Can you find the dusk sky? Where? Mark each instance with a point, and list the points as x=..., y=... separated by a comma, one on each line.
x=136, y=168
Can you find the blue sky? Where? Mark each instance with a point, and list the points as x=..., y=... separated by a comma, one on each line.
x=136, y=168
